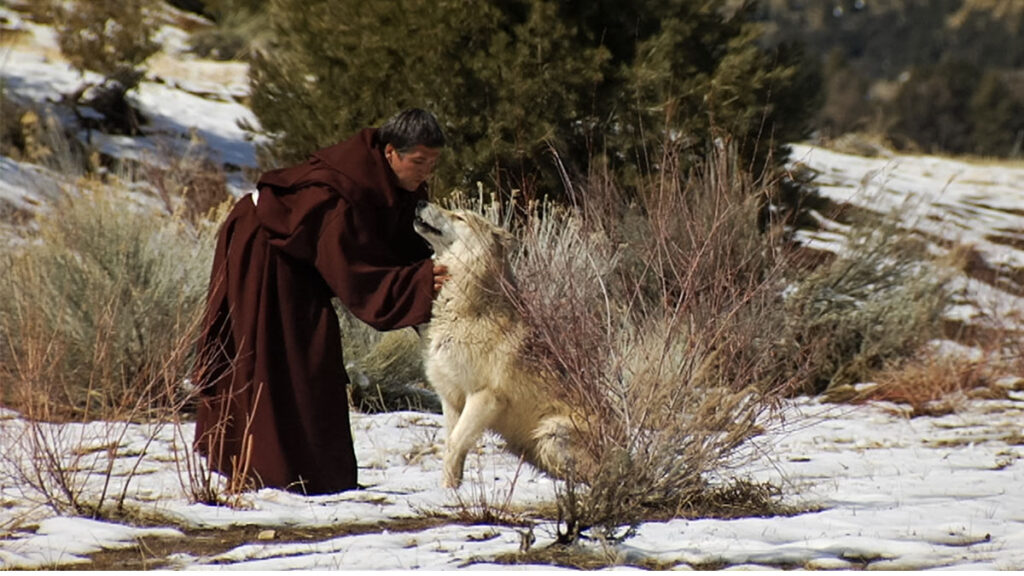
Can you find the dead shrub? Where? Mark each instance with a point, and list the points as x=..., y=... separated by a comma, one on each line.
x=659, y=319
x=12, y=131
x=185, y=178
x=34, y=134
x=100, y=312
x=112, y=38
x=238, y=27
x=492, y=505
x=84, y=467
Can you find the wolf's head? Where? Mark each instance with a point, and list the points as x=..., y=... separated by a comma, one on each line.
x=474, y=250
x=460, y=236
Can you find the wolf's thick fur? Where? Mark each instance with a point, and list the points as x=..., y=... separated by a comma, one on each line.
x=474, y=355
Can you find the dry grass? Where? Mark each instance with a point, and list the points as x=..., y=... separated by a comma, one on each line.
x=931, y=385
x=99, y=314
x=675, y=321
x=386, y=369
x=733, y=500
x=92, y=307
x=185, y=179
x=86, y=468
x=486, y=503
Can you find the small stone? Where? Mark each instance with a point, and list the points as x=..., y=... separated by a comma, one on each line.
x=266, y=535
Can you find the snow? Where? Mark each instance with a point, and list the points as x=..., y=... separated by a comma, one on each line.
x=877, y=489
x=973, y=203
x=882, y=490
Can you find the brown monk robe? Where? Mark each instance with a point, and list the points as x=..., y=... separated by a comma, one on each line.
x=272, y=373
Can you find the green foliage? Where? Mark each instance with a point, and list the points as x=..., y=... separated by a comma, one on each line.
x=881, y=300
x=96, y=311
x=997, y=117
x=512, y=80
x=702, y=72
x=110, y=37
x=931, y=75
x=931, y=109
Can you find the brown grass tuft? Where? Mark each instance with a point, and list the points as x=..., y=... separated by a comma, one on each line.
x=931, y=385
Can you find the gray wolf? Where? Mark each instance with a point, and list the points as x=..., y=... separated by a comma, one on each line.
x=475, y=353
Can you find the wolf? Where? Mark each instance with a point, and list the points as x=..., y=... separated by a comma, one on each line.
x=475, y=353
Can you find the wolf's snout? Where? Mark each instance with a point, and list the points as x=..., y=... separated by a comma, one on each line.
x=420, y=224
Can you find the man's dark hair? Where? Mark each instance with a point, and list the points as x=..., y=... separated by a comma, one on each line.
x=410, y=128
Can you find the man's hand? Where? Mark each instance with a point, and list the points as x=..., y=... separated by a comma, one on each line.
x=440, y=277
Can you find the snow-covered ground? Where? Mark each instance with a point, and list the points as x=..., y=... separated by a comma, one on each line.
x=974, y=205
x=885, y=491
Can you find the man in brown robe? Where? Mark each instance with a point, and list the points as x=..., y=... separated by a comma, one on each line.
x=273, y=409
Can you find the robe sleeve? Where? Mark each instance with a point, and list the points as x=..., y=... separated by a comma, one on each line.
x=369, y=278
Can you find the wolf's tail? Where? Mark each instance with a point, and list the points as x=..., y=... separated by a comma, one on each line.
x=559, y=450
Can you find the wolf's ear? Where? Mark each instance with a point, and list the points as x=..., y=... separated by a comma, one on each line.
x=504, y=238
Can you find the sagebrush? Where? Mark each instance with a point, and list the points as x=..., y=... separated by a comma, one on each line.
x=93, y=306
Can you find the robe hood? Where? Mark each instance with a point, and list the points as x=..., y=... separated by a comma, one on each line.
x=354, y=169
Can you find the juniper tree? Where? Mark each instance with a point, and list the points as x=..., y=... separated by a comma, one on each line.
x=997, y=117
x=512, y=80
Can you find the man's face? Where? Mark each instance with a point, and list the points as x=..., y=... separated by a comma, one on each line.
x=413, y=167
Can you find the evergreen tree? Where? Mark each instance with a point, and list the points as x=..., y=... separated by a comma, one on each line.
x=513, y=79
x=997, y=117
x=700, y=72
x=931, y=110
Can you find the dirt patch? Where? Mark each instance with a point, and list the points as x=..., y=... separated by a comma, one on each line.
x=154, y=553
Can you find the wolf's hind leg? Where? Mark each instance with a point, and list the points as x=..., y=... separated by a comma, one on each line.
x=480, y=411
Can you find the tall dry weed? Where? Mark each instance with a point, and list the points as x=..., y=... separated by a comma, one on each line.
x=659, y=318
x=931, y=384
x=87, y=468
x=185, y=178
